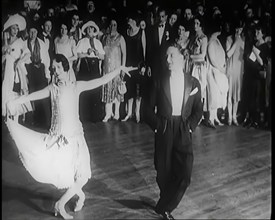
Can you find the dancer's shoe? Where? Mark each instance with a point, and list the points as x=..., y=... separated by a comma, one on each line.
x=79, y=205
x=106, y=118
x=126, y=118
x=235, y=122
x=137, y=118
x=61, y=211
x=116, y=117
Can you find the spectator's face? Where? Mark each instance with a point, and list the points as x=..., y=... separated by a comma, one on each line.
x=249, y=13
x=187, y=14
x=75, y=20
x=197, y=25
x=200, y=10
x=174, y=59
x=36, y=17
x=258, y=34
x=50, y=12
x=131, y=22
x=142, y=24
x=90, y=6
x=113, y=26
x=14, y=30
x=33, y=33
x=173, y=19
x=64, y=30
x=90, y=31
x=239, y=30
x=48, y=26
x=162, y=17
x=182, y=32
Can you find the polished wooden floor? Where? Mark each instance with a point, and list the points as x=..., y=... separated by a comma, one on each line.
x=231, y=176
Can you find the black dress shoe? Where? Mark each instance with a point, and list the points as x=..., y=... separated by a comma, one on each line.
x=166, y=215
x=209, y=124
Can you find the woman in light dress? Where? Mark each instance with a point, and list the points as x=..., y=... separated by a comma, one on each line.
x=15, y=54
x=217, y=82
x=198, y=48
x=183, y=40
x=60, y=157
x=115, y=55
x=235, y=70
x=65, y=45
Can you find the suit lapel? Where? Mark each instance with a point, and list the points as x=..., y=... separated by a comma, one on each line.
x=187, y=90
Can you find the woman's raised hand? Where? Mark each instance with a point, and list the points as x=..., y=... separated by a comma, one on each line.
x=127, y=69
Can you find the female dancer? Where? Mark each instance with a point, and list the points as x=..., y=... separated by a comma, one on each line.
x=60, y=157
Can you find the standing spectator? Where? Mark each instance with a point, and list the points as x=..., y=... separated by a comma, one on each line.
x=15, y=54
x=90, y=13
x=188, y=18
x=217, y=82
x=160, y=39
x=134, y=53
x=39, y=75
x=235, y=68
x=115, y=55
x=256, y=73
x=90, y=52
x=198, y=48
x=74, y=28
x=47, y=36
x=66, y=46
x=173, y=20
x=183, y=41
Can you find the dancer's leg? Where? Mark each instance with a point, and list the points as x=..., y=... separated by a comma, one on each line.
x=60, y=204
x=80, y=202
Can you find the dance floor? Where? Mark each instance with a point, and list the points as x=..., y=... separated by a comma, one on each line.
x=231, y=176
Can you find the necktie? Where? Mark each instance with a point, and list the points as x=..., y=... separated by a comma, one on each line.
x=161, y=26
x=143, y=41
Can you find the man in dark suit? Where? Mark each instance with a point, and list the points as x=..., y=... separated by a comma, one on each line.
x=160, y=38
x=174, y=111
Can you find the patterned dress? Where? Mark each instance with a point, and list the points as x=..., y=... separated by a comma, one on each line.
x=112, y=60
x=61, y=156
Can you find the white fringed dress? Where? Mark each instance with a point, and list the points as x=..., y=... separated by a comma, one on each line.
x=61, y=156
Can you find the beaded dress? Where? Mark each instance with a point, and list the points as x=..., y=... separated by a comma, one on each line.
x=61, y=156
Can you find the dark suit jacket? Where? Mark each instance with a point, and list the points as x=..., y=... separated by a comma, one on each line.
x=161, y=98
x=157, y=50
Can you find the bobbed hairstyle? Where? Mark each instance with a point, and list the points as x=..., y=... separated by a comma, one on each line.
x=64, y=61
x=201, y=20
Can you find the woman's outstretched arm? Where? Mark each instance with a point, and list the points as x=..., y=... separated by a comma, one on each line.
x=94, y=83
x=41, y=94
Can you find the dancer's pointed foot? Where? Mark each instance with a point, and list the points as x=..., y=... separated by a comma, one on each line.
x=61, y=211
x=79, y=205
